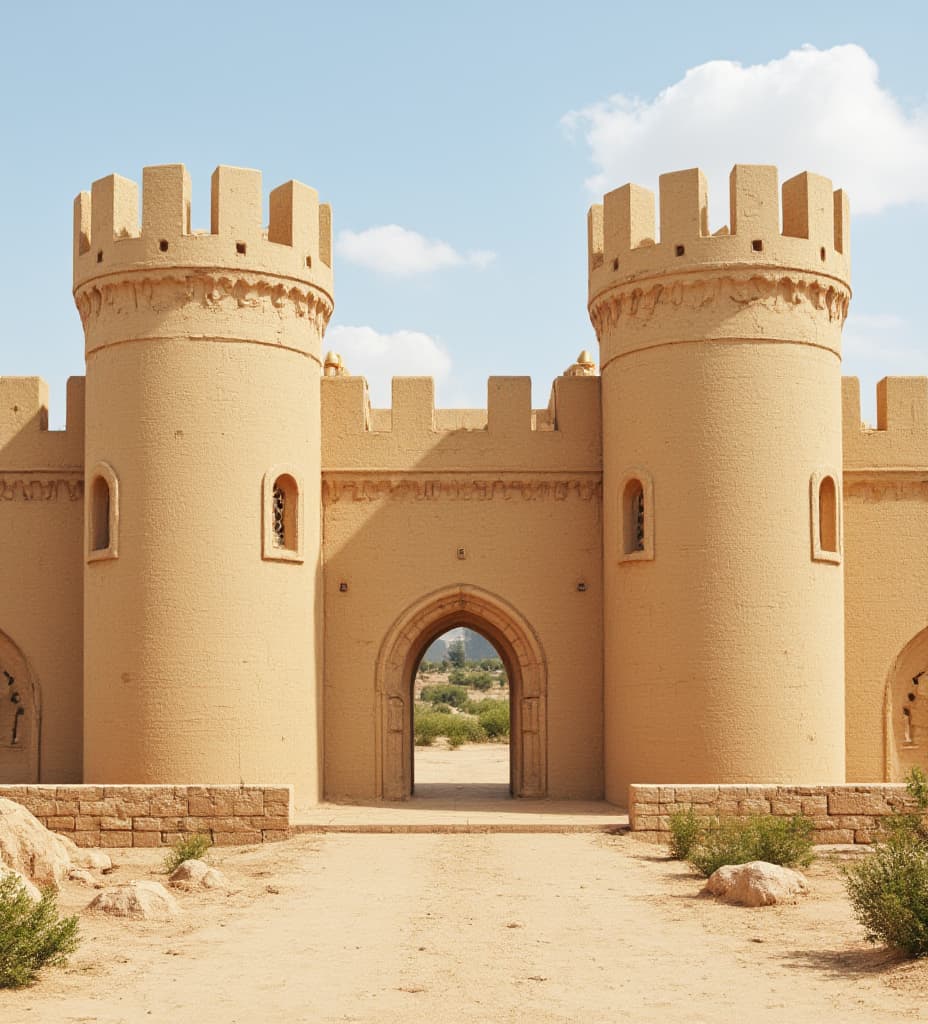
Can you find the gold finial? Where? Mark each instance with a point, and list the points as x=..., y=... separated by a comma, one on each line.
x=585, y=366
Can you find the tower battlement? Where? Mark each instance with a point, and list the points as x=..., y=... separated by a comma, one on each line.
x=624, y=245
x=296, y=245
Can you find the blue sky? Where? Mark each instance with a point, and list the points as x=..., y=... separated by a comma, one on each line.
x=460, y=146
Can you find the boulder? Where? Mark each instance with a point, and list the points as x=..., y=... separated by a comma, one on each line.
x=31, y=890
x=757, y=884
x=195, y=874
x=94, y=860
x=143, y=901
x=81, y=875
x=28, y=847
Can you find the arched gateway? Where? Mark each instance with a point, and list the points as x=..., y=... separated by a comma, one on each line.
x=403, y=648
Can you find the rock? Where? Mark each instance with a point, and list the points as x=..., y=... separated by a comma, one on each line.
x=144, y=901
x=31, y=890
x=757, y=884
x=81, y=875
x=195, y=874
x=94, y=860
x=28, y=847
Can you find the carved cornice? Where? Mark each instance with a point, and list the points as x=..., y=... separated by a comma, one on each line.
x=890, y=488
x=21, y=488
x=422, y=488
x=775, y=291
x=220, y=291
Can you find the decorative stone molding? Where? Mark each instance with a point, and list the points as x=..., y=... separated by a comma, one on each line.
x=889, y=488
x=270, y=296
x=774, y=291
x=16, y=488
x=374, y=488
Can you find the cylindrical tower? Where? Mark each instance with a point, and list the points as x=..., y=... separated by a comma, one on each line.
x=202, y=599
x=721, y=385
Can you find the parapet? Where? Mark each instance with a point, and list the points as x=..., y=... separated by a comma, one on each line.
x=297, y=244
x=814, y=237
x=26, y=443
x=900, y=439
x=414, y=435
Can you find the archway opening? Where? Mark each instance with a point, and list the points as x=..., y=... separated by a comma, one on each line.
x=907, y=710
x=461, y=718
x=404, y=648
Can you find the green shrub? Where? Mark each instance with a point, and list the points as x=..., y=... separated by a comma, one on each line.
x=31, y=934
x=457, y=729
x=889, y=892
x=685, y=828
x=889, y=889
x=786, y=841
x=190, y=847
x=495, y=719
x=442, y=709
x=445, y=693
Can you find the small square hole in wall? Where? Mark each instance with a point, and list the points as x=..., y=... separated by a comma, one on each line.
x=309, y=261
x=163, y=245
x=757, y=245
x=240, y=248
x=822, y=253
x=681, y=250
x=100, y=256
x=615, y=264
x=461, y=553
x=343, y=587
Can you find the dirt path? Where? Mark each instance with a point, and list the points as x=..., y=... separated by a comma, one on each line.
x=469, y=928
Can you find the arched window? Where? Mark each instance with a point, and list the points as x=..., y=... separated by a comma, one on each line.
x=636, y=512
x=825, y=510
x=633, y=506
x=102, y=512
x=283, y=514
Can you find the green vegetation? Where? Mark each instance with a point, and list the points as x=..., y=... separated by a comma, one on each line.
x=191, y=847
x=457, y=729
x=445, y=693
x=889, y=889
x=457, y=653
x=685, y=828
x=32, y=935
x=494, y=720
x=473, y=680
x=711, y=844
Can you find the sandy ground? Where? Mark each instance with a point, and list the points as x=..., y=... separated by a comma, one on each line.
x=478, y=927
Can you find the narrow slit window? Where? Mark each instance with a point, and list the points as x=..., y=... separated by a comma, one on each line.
x=828, y=515
x=634, y=517
x=100, y=515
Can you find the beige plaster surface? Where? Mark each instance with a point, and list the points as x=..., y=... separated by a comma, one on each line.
x=474, y=928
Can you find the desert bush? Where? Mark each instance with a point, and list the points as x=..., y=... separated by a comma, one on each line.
x=495, y=719
x=457, y=729
x=445, y=693
x=786, y=841
x=685, y=828
x=32, y=935
x=889, y=889
x=441, y=708
x=190, y=847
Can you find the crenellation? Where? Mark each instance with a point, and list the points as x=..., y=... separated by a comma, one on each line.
x=899, y=441
x=508, y=435
x=814, y=240
x=295, y=247
x=27, y=446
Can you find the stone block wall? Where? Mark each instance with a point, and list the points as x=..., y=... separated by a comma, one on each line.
x=121, y=816
x=841, y=814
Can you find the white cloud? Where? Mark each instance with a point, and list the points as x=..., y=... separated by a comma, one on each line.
x=378, y=357
x=391, y=249
x=818, y=110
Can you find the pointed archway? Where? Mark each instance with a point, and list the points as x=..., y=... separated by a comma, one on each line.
x=517, y=645
x=19, y=717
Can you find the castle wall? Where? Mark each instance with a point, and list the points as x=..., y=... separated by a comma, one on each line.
x=41, y=600
x=521, y=505
x=886, y=596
